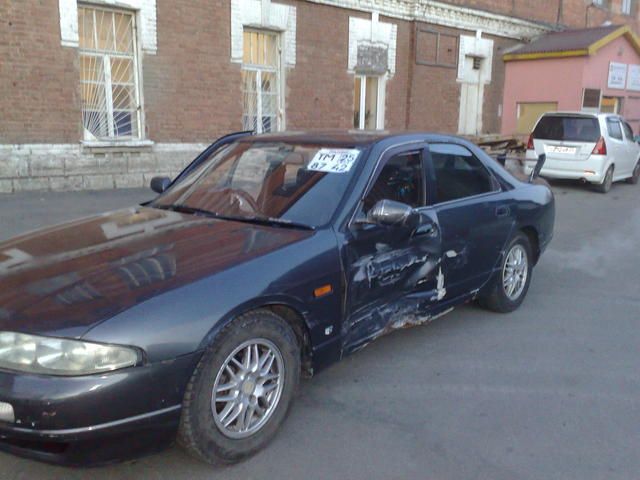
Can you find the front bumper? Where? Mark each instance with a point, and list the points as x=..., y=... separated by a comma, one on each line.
x=94, y=419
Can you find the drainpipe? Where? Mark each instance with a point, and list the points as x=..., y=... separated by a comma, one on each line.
x=412, y=60
x=586, y=15
x=559, y=16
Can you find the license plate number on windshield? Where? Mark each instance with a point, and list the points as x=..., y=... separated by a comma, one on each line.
x=558, y=149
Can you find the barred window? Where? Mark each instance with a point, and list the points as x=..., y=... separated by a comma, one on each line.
x=108, y=74
x=261, y=81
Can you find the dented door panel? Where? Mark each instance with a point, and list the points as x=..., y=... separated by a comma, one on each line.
x=393, y=278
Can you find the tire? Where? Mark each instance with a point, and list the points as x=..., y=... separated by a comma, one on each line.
x=202, y=430
x=497, y=297
x=607, y=181
x=633, y=179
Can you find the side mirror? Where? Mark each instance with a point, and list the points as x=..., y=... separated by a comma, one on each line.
x=160, y=184
x=390, y=213
x=535, y=173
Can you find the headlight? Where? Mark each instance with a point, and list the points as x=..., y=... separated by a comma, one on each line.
x=59, y=356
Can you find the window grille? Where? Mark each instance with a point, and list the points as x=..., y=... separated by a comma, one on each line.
x=108, y=74
x=261, y=81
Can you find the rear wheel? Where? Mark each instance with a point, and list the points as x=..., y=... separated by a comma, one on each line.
x=633, y=179
x=607, y=181
x=241, y=390
x=510, y=285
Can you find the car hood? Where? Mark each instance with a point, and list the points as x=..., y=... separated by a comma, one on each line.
x=65, y=279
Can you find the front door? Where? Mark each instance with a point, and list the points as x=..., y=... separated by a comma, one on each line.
x=392, y=271
x=475, y=217
x=471, y=97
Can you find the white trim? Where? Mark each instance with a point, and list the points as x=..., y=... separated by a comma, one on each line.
x=380, y=100
x=375, y=33
x=263, y=14
x=382, y=96
x=147, y=16
x=56, y=148
x=438, y=13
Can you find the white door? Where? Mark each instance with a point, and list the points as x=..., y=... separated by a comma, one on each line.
x=472, y=91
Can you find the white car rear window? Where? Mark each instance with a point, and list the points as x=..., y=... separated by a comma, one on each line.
x=571, y=128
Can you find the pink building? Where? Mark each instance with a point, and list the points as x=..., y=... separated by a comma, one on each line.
x=590, y=70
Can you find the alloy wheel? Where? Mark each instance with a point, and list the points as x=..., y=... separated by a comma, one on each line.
x=247, y=388
x=514, y=272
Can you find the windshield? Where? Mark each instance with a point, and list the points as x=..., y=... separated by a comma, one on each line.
x=571, y=128
x=250, y=180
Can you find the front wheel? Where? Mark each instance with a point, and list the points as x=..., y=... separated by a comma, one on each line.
x=511, y=283
x=240, y=392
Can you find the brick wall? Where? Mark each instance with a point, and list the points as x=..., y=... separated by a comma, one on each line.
x=319, y=91
x=192, y=89
x=572, y=13
x=39, y=91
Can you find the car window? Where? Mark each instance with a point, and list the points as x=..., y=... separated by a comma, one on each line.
x=613, y=127
x=628, y=131
x=571, y=128
x=400, y=180
x=301, y=183
x=458, y=172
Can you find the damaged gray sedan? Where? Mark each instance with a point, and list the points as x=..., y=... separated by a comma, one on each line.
x=270, y=256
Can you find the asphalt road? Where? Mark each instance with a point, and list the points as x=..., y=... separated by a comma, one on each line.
x=551, y=391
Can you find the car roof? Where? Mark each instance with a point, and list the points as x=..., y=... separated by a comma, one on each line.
x=581, y=114
x=347, y=138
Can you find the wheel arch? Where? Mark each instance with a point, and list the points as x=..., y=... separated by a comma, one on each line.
x=534, y=239
x=289, y=310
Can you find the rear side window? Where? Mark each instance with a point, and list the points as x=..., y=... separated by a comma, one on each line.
x=459, y=173
x=571, y=128
x=613, y=127
x=628, y=131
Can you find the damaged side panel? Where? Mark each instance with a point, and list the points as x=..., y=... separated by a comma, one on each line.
x=394, y=277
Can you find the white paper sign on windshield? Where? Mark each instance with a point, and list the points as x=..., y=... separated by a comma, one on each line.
x=333, y=160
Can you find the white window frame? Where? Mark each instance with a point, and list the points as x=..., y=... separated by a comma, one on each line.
x=137, y=75
x=279, y=71
x=381, y=100
x=591, y=109
x=626, y=7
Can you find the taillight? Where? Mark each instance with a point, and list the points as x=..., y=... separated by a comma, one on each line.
x=530, y=143
x=600, y=148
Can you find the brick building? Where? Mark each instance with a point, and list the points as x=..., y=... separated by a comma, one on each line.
x=108, y=93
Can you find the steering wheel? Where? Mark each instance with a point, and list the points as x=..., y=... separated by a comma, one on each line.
x=244, y=199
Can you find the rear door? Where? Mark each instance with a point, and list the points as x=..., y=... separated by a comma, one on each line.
x=617, y=146
x=475, y=217
x=632, y=147
x=566, y=137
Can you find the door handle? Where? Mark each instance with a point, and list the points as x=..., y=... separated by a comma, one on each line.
x=426, y=229
x=502, y=211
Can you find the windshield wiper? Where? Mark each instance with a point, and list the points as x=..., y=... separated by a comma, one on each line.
x=186, y=209
x=269, y=221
